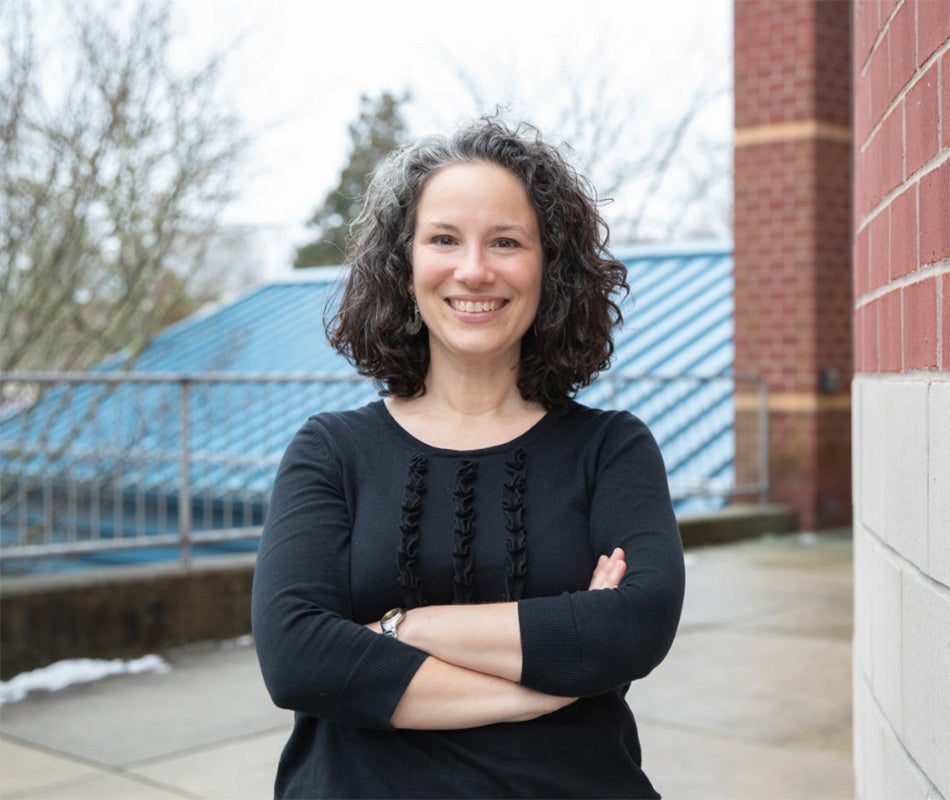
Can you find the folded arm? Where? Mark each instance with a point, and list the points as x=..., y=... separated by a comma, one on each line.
x=316, y=660
x=445, y=696
x=583, y=643
x=486, y=637
x=457, y=666
x=471, y=677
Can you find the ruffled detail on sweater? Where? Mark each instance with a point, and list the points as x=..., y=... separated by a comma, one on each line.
x=463, y=558
x=517, y=532
x=408, y=552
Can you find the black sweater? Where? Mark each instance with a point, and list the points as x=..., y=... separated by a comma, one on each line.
x=365, y=517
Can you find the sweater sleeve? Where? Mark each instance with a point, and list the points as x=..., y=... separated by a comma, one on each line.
x=315, y=659
x=584, y=643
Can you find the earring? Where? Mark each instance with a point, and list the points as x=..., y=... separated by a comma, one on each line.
x=415, y=321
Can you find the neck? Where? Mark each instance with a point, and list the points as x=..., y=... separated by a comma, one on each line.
x=466, y=406
x=473, y=389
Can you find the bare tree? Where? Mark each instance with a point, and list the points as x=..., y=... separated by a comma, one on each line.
x=662, y=178
x=114, y=172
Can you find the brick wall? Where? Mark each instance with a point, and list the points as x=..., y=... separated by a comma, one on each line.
x=792, y=243
x=901, y=421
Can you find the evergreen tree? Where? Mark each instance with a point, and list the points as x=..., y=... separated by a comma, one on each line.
x=377, y=131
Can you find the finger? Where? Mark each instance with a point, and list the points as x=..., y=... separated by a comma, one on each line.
x=618, y=571
x=602, y=567
x=609, y=570
x=598, y=570
x=603, y=580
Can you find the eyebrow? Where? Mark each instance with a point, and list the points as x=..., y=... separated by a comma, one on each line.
x=504, y=228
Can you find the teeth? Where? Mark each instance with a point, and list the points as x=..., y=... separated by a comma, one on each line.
x=475, y=306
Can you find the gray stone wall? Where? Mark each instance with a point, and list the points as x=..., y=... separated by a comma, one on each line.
x=121, y=613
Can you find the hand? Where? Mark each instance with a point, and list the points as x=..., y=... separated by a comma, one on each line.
x=609, y=571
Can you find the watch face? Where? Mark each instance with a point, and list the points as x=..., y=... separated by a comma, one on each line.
x=390, y=620
x=390, y=615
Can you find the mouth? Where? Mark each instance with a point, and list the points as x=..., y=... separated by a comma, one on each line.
x=475, y=306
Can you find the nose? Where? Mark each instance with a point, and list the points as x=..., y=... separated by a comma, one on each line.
x=474, y=267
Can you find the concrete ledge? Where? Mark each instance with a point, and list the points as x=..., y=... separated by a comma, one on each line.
x=130, y=611
x=121, y=613
x=734, y=523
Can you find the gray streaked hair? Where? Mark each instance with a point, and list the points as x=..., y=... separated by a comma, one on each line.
x=571, y=339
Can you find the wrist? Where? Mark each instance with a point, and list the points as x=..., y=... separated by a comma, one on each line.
x=391, y=620
x=424, y=628
x=409, y=627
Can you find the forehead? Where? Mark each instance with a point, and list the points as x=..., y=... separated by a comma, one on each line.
x=476, y=185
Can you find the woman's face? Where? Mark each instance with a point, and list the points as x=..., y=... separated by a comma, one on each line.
x=476, y=263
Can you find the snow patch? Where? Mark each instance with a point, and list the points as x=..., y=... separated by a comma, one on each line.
x=73, y=671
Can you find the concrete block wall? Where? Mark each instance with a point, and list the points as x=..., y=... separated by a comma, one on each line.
x=901, y=398
x=902, y=586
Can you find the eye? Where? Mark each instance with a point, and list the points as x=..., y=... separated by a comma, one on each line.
x=442, y=239
x=506, y=244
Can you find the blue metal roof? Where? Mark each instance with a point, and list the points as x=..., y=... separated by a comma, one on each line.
x=274, y=327
x=678, y=319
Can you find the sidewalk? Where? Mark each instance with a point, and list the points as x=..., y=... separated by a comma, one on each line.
x=754, y=700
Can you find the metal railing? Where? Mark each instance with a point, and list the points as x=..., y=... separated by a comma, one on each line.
x=713, y=429
x=95, y=465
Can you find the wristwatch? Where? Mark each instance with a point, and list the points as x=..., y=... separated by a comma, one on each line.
x=391, y=620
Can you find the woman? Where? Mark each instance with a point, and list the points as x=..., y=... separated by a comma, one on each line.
x=456, y=584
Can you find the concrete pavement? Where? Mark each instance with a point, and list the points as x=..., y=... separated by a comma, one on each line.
x=754, y=700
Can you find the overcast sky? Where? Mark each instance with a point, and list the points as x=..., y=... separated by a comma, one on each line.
x=299, y=66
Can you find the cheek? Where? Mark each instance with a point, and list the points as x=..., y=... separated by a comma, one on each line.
x=429, y=272
x=417, y=274
x=537, y=285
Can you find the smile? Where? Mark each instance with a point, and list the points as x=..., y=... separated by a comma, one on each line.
x=475, y=306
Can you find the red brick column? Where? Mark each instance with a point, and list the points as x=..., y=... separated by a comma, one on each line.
x=792, y=243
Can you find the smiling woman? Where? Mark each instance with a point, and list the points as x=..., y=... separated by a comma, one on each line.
x=457, y=584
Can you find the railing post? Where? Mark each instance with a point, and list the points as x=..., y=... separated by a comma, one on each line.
x=184, y=487
x=764, y=439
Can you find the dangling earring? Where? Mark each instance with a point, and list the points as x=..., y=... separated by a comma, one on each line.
x=415, y=321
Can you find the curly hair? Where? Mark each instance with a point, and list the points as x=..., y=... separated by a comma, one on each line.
x=570, y=341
